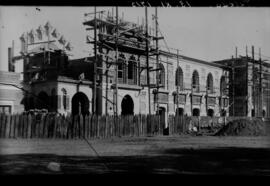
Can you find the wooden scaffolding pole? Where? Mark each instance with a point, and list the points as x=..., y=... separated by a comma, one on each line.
x=95, y=65
x=147, y=60
x=116, y=66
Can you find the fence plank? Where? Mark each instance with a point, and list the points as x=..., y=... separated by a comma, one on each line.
x=3, y=125
x=77, y=125
x=34, y=126
x=81, y=134
x=46, y=126
x=29, y=124
x=16, y=126
x=55, y=126
x=41, y=125
x=7, y=130
x=11, y=133
x=21, y=126
x=85, y=126
x=68, y=120
x=89, y=127
x=25, y=126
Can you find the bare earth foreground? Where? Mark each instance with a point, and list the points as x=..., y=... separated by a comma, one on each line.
x=143, y=155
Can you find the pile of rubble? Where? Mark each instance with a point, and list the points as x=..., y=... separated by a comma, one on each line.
x=243, y=127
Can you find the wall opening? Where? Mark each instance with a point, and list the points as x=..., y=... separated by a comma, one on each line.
x=264, y=113
x=80, y=104
x=161, y=75
x=210, y=112
x=179, y=78
x=127, y=106
x=253, y=113
x=43, y=101
x=196, y=112
x=223, y=86
x=162, y=120
x=195, y=81
x=210, y=84
x=180, y=111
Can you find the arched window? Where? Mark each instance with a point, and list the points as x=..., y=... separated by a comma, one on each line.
x=210, y=84
x=223, y=87
x=195, y=82
x=161, y=75
x=64, y=98
x=121, y=68
x=132, y=70
x=179, y=79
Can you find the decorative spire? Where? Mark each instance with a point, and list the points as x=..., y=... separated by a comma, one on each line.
x=40, y=31
x=55, y=33
x=68, y=46
x=48, y=28
x=62, y=40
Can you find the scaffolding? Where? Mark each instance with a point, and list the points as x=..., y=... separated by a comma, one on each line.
x=115, y=34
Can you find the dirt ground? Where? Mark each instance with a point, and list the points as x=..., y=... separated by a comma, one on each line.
x=185, y=155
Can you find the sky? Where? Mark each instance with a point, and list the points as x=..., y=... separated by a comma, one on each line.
x=209, y=33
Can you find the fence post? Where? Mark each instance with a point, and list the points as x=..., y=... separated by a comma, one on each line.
x=68, y=123
x=7, y=126
x=29, y=125
x=41, y=126
x=46, y=128
x=35, y=125
x=16, y=125
x=25, y=130
x=1, y=123
x=55, y=126
x=11, y=133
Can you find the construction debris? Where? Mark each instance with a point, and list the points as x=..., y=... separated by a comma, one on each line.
x=243, y=127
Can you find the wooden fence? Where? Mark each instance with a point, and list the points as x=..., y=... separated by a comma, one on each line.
x=72, y=127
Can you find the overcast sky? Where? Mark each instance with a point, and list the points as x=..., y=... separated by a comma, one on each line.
x=204, y=33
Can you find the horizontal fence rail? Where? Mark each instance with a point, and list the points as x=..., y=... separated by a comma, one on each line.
x=92, y=126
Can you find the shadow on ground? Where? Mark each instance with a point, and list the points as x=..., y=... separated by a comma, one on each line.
x=218, y=161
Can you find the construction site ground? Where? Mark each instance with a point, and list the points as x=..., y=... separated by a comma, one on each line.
x=181, y=154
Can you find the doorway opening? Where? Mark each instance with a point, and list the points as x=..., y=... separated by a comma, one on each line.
x=127, y=106
x=196, y=112
x=80, y=104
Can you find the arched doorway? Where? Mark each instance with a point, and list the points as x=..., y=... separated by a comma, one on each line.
x=210, y=112
x=252, y=113
x=80, y=104
x=180, y=111
x=43, y=101
x=196, y=112
x=263, y=113
x=127, y=106
x=162, y=115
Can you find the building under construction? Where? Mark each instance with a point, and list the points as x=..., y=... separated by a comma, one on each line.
x=129, y=73
x=249, y=90
x=135, y=76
